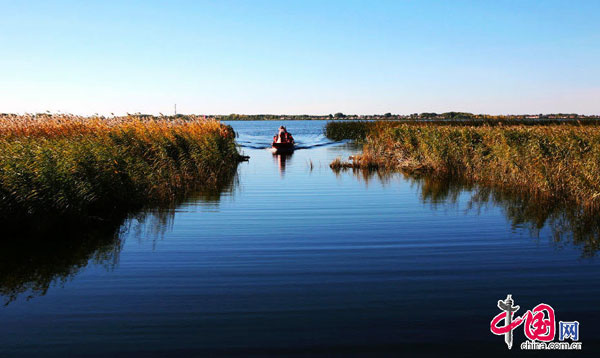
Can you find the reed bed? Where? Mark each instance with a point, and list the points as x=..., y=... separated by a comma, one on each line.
x=359, y=129
x=355, y=130
x=82, y=167
x=553, y=162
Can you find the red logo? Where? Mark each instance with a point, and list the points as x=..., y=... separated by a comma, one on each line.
x=539, y=323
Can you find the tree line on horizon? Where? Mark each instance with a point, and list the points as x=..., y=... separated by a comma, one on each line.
x=337, y=116
x=414, y=116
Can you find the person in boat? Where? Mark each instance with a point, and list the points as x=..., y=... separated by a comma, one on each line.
x=283, y=136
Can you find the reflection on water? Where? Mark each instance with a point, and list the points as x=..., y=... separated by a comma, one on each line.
x=569, y=224
x=32, y=262
x=281, y=160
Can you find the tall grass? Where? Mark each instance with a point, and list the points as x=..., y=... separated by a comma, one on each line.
x=69, y=166
x=359, y=129
x=356, y=130
x=556, y=162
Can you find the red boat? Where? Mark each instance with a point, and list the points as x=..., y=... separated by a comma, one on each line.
x=283, y=142
x=284, y=147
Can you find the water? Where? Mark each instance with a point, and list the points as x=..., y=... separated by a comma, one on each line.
x=293, y=259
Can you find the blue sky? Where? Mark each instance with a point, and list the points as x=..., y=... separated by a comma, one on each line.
x=315, y=57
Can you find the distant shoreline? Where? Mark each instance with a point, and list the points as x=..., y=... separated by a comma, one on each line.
x=428, y=116
x=415, y=116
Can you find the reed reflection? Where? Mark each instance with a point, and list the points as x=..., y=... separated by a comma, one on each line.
x=569, y=224
x=30, y=265
x=34, y=260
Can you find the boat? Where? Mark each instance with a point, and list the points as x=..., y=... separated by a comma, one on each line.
x=283, y=147
x=283, y=142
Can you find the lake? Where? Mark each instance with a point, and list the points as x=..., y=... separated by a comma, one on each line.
x=290, y=258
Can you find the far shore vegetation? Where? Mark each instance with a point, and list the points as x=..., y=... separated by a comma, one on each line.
x=426, y=116
x=429, y=116
x=552, y=162
x=87, y=168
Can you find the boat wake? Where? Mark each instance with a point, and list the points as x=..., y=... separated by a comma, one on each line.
x=302, y=141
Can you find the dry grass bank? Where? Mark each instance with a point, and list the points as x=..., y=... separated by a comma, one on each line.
x=556, y=162
x=71, y=166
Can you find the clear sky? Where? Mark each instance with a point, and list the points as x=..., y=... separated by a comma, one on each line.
x=314, y=57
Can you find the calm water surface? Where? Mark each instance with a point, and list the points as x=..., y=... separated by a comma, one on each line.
x=293, y=259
